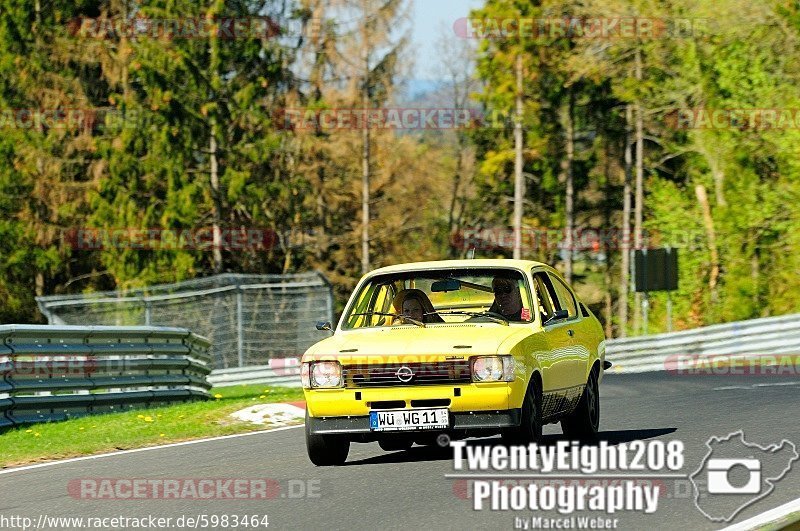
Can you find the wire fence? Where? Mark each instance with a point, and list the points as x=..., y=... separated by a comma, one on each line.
x=250, y=319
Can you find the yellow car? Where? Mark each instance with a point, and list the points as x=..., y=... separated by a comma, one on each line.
x=460, y=347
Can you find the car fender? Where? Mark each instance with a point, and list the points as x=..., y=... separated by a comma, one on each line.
x=597, y=354
x=523, y=346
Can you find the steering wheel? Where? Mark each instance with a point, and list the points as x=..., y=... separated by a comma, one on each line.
x=485, y=318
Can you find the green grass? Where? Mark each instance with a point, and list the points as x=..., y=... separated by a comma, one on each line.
x=138, y=428
x=788, y=522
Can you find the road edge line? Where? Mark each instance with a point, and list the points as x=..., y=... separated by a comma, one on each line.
x=143, y=449
x=767, y=517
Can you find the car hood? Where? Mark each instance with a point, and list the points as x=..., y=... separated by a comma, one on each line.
x=434, y=343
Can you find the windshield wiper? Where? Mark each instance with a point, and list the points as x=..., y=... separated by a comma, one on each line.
x=395, y=315
x=496, y=317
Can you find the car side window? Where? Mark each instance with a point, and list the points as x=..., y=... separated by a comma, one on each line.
x=545, y=297
x=565, y=297
x=378, y=298
x=383, y=302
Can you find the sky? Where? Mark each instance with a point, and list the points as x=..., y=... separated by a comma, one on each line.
x=430, y=18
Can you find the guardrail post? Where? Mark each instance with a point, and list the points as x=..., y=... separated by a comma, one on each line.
x=239, y=327
x=147, y=317
x=669, y=311
x=645, y=311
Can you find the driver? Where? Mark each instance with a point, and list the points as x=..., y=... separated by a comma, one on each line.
x=414, y=303
x=507, y=299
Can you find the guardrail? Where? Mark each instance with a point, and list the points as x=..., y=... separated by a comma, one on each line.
x=768, y=336
x=58, y=372
x=284, y=372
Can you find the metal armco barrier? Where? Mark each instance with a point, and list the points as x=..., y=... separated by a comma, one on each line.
x=284, y=372
x=54, y=373
x=742, y=339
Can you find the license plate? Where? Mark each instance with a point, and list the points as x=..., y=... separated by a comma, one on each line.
x=409, y=419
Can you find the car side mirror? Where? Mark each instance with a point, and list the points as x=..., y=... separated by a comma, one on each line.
x=559, y=315
x=324, y=325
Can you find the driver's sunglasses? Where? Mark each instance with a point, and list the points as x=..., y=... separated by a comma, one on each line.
x=503, y=289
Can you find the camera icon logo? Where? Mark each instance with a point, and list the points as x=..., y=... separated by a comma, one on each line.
x=719, y=470
x=735, y=474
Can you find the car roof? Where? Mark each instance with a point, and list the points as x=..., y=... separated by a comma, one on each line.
x=441, y=264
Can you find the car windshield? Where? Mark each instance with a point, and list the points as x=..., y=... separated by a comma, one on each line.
x=430, y=297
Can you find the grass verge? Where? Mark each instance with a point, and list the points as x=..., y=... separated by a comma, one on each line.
x=790, y=522
x=138, y=428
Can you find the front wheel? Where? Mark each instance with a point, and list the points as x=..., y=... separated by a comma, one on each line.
x=584, y=423
x=530, y=426
x=326, y=450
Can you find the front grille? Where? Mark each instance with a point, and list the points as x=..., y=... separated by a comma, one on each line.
x=387, y=404
x=399, y=374
x=431, y=402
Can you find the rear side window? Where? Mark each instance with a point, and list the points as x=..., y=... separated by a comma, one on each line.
x=565, y=296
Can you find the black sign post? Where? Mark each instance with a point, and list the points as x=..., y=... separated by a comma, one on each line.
x=656, y=270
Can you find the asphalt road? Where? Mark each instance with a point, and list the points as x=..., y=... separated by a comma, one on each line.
x=409, y=489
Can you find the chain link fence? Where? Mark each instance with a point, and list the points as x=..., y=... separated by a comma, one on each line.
x=250, y=319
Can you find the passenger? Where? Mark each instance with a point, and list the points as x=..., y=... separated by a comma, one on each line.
x=508, y=300
x=414, y=304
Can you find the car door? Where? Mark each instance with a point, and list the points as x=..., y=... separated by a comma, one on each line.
x=557, y=372
x=577, y=328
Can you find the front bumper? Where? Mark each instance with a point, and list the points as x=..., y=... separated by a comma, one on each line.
x=463, y=421
x=465, y=398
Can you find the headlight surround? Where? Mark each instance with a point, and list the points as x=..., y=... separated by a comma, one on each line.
x=493, y=369
x=321, y=374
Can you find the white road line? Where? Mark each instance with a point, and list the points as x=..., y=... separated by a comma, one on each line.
x=767, y=517
x=756, y=386
x=565, y=476
x=145, y=449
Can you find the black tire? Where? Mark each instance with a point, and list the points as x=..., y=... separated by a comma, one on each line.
x=530, y=426
x=584, y=423
x=326, y=450
x=394, y=445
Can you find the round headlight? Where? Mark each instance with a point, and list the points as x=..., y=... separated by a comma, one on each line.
x=326, y=374
x=487, y=369
x=493, y=369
